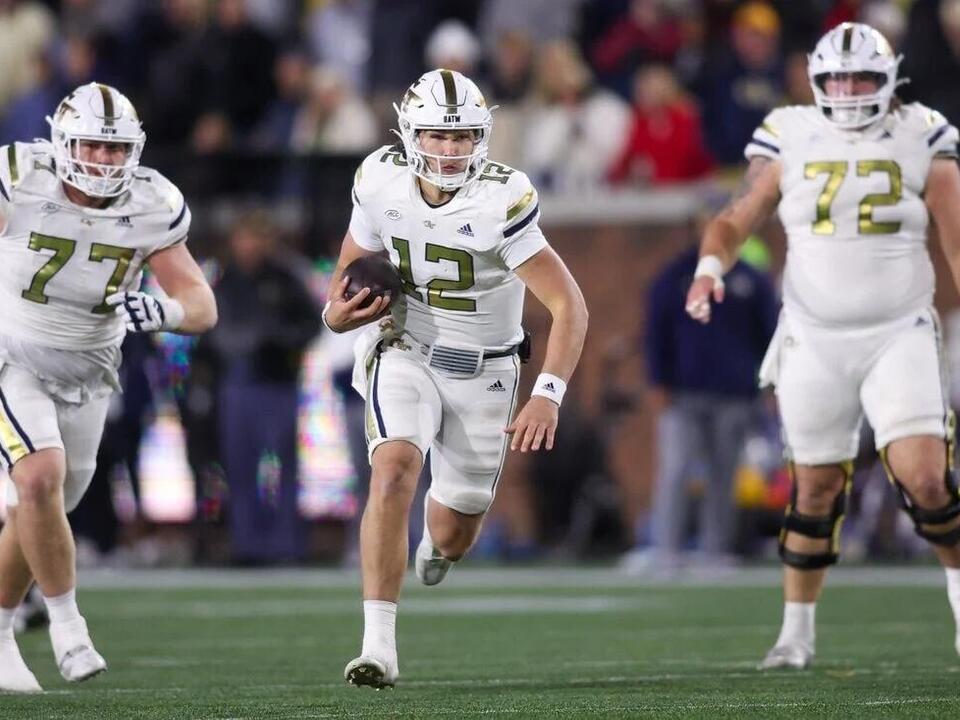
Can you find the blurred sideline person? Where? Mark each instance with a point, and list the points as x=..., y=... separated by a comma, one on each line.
x=268, y=317
x=855, y=180
x=703, y=388
x=443, y=374
x=81, y=218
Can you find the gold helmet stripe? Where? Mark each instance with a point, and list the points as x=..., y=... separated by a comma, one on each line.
x=847, y=39
x=108, y=114
x=450, y=89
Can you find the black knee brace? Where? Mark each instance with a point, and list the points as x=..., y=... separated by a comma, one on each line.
x=922, y=516
x=820, y=527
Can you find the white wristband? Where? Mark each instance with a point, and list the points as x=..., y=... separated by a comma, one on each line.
x=550, y=387
x=173, y=313
x=710, y=266
x=323, y=317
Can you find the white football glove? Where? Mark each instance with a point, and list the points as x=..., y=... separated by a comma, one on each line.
x=146, y=313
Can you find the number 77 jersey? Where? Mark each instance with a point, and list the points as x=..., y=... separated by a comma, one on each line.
x=852, y=206
x=59, y=261
x=457, y=260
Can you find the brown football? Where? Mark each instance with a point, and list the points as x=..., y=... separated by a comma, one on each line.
x=375, y=272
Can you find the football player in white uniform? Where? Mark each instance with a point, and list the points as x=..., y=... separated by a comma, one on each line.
x=855, y=179
x=442, y=373
x=80, y=219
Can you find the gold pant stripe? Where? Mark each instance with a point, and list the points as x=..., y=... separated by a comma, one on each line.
x=13, y=445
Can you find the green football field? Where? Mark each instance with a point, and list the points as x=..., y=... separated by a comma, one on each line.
x=502, y=643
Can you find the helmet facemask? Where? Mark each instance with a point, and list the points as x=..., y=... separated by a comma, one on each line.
x=850, y=112
x=853, y=52
x=444, y=101
x=94, y=179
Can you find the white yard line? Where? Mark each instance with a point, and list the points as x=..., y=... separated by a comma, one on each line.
x=503, y=577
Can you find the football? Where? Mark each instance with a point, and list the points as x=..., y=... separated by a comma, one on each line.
x=375, y=272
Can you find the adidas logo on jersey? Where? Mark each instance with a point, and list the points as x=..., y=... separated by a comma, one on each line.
x=465, y=230
x=125, y=221
x=496, y=387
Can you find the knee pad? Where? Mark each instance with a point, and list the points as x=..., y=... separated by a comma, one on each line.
x=938, y=516
x=818, y=527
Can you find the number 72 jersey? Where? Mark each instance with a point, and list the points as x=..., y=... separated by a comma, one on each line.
x=59, y=261
x=852, y=206
x=457, y=260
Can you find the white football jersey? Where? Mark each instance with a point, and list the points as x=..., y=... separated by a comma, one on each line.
x=456, y=260
x=59, y=261
x=853, y=209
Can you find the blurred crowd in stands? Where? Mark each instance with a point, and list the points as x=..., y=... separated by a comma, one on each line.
x=590, y=92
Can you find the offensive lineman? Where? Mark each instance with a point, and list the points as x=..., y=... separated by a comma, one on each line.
x=854, y=179
x=80, y=219
x=442, y=374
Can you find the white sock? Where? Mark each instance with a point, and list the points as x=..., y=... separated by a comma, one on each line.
x=798, y=623
x=6, y=619
x=63, y=608
x=953, y=592
x=379, y=629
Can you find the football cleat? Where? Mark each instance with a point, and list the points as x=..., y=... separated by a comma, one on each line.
x=366, y=670
x=795, y=655
x=431, y=567
x=15, y=676
x=76, y=657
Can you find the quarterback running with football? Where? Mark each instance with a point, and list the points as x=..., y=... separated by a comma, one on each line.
x=80, y=219
x=855, y=179
x=442, y=373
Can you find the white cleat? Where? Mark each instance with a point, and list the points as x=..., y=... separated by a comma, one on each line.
x=76, y=657
x=795, y=655
x=15, y=676
x=367, y=670
x=431, y=567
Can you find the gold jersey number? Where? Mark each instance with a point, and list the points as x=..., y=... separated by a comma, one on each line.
x=836, y=172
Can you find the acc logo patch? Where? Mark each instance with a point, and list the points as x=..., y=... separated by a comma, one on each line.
x=392, y=214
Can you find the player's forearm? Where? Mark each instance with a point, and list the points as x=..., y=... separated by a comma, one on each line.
x=199, y=309
x=723, y=239
x=565, y=342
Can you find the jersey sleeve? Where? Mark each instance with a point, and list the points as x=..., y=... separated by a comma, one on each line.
x=522, y=236
x=941, y=137
x=767, y=139
x=12, y=159
x=362, y=228
x=177, y=223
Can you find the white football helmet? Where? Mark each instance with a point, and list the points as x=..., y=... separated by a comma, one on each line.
x=96, y=112
x=444, y=100
x=853, y=49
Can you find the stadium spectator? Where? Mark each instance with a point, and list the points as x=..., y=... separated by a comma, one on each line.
x=26, y=28
x=339, y=36
x=665, y=143
x=333, y=118
x=541, y=20
x=452, y=45
x=511, y=73
x=237, y=63
x=646, y=33
x=574, y=130
x=268, y=319
x=931, y=49
x=743, y=83
x=291, y=77
x=703, y=390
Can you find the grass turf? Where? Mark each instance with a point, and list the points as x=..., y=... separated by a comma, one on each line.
x=502, y=649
